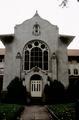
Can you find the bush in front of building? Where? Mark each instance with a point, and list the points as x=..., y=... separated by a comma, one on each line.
x=73, y=94
x=55, y=92
x=16, y=92
x=73, y=90
x=64, y=111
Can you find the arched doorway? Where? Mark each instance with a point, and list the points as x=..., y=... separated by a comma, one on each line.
x=36, y=86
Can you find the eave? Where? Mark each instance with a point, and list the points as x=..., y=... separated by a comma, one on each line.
x=66, y=39
x=7, y=38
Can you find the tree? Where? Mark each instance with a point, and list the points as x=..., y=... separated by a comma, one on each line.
x=64, y=3
x=73, y=89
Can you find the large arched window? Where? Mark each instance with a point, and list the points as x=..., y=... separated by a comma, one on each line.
x=35, y=54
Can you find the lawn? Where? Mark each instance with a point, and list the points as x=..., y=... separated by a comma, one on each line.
x=64, y=111
x=10, y=111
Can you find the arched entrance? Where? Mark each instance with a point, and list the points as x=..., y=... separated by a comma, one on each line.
x=36, y=86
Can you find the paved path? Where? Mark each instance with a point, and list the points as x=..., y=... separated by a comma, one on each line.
x=35, y=113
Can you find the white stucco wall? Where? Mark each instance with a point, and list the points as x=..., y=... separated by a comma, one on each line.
x=23, y=34
x=62, y=63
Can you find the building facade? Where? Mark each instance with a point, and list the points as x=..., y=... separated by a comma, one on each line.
x=73, y=65
x=35, y=52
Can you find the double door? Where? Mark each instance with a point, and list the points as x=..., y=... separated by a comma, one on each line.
x=36, y=88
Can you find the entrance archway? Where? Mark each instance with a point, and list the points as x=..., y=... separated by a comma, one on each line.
x=36, y=86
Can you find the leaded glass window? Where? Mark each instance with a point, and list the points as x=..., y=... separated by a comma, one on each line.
x=45, y=60
x=26, y=60
x=35, y=54
x=36, y=57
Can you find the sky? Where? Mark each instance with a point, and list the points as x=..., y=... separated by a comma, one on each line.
x=13, y=12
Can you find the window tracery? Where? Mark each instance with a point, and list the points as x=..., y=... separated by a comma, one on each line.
x=35, y=55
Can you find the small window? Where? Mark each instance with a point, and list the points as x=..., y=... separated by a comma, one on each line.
x=76, y=71
x=69, y=72
x=42, y=46
x=1, y=71
x=36, y=29
x=36, y=77
x=36, y=43
x=29, y=46
x=1, y=58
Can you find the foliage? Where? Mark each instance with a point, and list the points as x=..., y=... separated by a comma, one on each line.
x=64, y=111
x=16, y=92
x=55, y=92
x=73, y=90
x=64, y=3
x=10, y=111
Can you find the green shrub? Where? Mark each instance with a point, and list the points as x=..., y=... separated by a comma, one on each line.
x=55, y=92
x=10, y=111
x=16, y=92
x=64, y=111
x=73, y=90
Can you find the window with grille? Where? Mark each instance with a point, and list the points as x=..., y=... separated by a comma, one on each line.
x=35, y=54
x=36, y=57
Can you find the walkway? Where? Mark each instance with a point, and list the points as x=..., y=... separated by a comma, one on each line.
x=35, y=113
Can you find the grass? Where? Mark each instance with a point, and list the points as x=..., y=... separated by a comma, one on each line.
x=64, y=111
x=9, y=111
